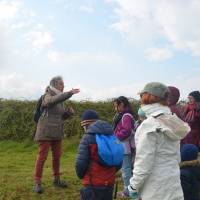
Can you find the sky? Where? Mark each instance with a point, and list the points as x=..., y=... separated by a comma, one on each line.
x=107, y=48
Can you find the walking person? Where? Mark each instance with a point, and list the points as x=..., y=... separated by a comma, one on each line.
x=98, y=179
x=123, y=128
x=49, y=131
x=156, y=173
x=192, y=116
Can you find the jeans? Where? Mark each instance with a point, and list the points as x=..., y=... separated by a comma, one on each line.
x=42, y=156
x=96, y=193
x=127, y=168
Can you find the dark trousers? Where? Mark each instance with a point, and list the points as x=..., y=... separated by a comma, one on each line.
x=97, y=193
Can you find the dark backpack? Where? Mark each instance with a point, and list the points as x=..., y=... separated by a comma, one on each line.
x=38, y=110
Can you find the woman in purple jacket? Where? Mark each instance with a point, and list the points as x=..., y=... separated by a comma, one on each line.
x=192, y=116
x=123, y=126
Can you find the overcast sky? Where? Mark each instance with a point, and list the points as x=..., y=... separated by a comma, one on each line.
x=106, y=48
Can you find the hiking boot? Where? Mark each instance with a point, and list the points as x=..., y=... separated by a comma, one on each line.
x=59, y=183
x=38, y=188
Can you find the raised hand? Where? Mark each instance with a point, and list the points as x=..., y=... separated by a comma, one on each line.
x=75, y=90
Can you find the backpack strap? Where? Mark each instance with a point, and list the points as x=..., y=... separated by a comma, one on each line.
x=126, y=114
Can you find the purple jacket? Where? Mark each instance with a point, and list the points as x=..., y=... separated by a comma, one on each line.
x=123, y=131
x=173, y=99
x=192, y=116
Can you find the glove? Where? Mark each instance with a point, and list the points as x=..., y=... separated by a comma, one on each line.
x=133, y=193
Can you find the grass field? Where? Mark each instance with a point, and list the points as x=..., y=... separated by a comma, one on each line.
x=17, y=162
x=16, y=172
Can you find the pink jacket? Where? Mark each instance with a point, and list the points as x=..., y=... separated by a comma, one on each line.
x=123, y=131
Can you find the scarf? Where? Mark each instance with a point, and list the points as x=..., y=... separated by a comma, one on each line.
x=55, y=90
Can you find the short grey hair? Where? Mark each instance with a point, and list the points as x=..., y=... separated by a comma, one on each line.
x=55, y=79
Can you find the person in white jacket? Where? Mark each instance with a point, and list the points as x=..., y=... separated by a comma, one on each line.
x=156, y=173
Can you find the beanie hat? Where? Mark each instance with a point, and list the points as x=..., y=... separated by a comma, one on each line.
x=189, y=152
x=88, y=117
x=156, y=89
x=196, y=95
x=174, y=95
x=141, y=113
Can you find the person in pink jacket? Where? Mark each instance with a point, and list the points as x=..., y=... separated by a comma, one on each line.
x=123, y=128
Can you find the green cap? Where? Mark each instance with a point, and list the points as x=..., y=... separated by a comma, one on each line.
x=156, y=89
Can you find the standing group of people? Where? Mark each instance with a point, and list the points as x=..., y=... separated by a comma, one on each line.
x=154, y=145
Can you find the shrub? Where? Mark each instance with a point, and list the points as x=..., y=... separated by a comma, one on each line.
x=16, y=117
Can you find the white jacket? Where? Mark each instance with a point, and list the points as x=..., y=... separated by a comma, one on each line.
x=156, y=174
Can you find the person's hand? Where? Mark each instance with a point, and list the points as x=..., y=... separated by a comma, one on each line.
x=133, y=194
x=71, y=110
x=75, y=90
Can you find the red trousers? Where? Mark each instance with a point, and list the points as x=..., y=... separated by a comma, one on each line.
x=42, y=156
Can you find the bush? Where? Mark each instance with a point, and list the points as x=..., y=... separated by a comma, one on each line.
x=16, y=117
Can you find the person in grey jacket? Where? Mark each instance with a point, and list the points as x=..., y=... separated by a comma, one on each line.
x=49, y=130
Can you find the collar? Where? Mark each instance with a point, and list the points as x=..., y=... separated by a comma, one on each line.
x=55, y=90
x=155, y=109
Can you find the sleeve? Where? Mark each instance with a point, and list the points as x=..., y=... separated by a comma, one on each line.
x=52, y=100
x=82, y=159
x=126, y=128
x=144, y=160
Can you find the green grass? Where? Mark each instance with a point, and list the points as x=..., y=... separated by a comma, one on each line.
x=17, y=162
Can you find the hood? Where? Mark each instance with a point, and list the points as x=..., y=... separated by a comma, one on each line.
x=49, y=90
x=168, y=123
x=100, y=127
x=174, y=95
x=193, y=167
x=192, y=163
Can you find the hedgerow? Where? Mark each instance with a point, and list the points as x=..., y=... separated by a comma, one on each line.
x=16, y=117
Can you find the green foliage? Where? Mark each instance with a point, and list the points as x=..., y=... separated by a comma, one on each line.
x=16, y=117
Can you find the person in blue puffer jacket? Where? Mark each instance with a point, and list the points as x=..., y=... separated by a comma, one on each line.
x=98, y=180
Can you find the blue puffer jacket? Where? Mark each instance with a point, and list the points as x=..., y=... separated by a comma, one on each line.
x=190, y=179
x=87, y=165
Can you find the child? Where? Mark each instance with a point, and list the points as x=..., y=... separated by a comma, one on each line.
x=190, y=172
x=98, y=180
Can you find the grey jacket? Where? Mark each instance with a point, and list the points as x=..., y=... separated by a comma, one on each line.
x=50, y=124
